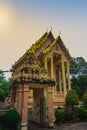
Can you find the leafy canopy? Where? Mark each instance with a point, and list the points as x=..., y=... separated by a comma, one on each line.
x=78, y=70
x=78, y=67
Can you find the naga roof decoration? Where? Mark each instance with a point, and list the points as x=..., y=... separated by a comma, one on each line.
x=47, y=49
x=37, y=44
x=61, y=43
x=40, y=42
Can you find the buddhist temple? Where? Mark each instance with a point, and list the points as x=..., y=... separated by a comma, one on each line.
x=41, y=79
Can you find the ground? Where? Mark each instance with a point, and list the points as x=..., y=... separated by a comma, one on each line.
x=74, y=126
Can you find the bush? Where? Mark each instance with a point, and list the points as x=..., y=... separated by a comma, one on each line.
x=82, y=113
x=84, y=98
x=69, y=115
x=2, y=121
x=10, y=120
x=71, y=98
x=60, y=115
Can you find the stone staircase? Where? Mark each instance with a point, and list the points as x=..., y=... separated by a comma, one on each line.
x=59, y=99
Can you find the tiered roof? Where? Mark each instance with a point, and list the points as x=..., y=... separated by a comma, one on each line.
x=48, y=48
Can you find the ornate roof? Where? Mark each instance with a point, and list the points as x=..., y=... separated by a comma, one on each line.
x=61, y=44
x=34, y=48
x=39, y=43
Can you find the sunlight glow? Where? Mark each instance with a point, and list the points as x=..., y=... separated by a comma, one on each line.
x=5, y=17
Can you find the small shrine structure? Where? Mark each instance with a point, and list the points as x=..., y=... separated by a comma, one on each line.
x=41, y=79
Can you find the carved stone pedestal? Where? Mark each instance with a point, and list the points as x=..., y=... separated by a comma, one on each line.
x=24, y=126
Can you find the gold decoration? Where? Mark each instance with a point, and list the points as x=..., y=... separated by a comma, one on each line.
x=45, y=59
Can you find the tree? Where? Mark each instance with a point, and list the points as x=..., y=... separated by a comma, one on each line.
x=4, y=84
x=78, y=71
x=79, y=84
x=2, y=95
x=71, y=98
x=84, y=97
x=78, y=67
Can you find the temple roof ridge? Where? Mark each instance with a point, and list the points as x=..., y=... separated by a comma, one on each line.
x=61, y=43
x=32, y=49
x=41, y=41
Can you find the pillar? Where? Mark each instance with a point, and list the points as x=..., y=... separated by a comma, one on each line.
x=63, y=74
x=20, y=98
x=52, y=69
x=13, y=95
x=52, y=73
x=24, y=120
x=50, y=108
x=60, y=87
x=68, y=75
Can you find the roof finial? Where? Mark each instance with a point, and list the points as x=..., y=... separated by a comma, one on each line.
x=59, y=32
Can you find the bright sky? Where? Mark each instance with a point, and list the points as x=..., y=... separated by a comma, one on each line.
x=22, y=22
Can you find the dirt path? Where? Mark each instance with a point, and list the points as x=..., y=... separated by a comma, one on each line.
x=74, y=126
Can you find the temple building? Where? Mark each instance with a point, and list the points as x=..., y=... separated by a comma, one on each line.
x=41, y=79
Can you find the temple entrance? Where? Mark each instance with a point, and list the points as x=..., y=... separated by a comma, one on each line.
x=42, y=111
x=39, y=105
x=38, y=111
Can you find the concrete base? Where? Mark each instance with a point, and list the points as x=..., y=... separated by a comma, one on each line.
x=51, y=124
x=24, y=126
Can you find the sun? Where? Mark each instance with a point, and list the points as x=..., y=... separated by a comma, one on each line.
x=5, y=18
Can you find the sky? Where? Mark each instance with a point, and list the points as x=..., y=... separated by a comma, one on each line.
x=23, y=22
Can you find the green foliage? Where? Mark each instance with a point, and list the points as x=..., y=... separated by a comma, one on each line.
x=79, y=84
x=71, y=98
x=78, y=67
x=84, y=97
x=10, y=120
x=60, y=115
x=2, y=94
x=4, y=84
x=78, y=71
x=43, y=80
x=69, y=115
x=82, y=113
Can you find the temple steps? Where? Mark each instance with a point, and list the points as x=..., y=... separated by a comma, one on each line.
x=59, y=99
